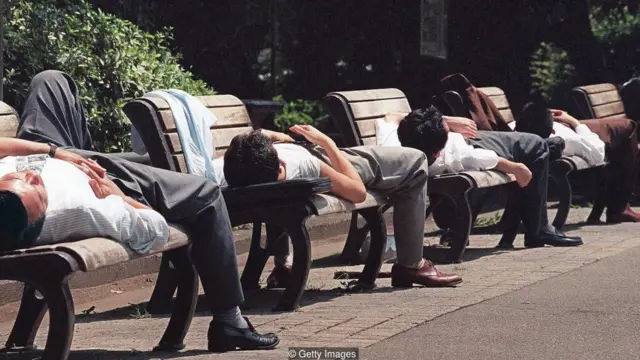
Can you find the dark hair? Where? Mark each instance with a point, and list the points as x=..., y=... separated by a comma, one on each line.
x=423, y=129
x=15, y=230
x=535, y=118
x=251, y=159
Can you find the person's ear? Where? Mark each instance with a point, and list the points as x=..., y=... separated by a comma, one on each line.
x=436, y=155
x=282, y=170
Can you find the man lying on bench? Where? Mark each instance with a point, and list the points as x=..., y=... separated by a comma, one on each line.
x=61, y=196
x=399, y=173
x=427, y=129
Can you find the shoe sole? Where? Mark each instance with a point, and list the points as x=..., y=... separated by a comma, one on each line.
x=405, y=286
x=269, y=347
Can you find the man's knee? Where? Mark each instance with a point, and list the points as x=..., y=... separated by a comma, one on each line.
x=47, y=76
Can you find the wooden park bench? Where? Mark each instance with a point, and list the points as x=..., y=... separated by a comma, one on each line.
x=354, y=114
x=287, y=208
x=559, y=169
x=45, y=271
x=597, y=101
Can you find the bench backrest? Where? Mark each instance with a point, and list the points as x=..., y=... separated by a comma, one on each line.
x=354, y=112
x=455, y=106
x=153, y=119
x=8, y=121
x=598, y=101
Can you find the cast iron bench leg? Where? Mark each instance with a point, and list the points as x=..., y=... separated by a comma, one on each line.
x=510, y=219
x=354, y=242
x=28, y=320
x=62, y=320
x=462, y=229
x=375, y=221
x=161, y=301
x=257, y=259
x=301, y=265
x=601, y=196
x=560, y=174
x=184, y=305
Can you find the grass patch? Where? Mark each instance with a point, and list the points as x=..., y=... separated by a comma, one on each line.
x=487, y=221
x=137, y=311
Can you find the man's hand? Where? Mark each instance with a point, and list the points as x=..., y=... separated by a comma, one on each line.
x=564, y=118
x=312, y=134
x=522, y=174
x=100, y=184
x=78, y=160
x=465, y=127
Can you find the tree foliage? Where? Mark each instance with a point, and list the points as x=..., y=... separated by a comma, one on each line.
x=111, y=60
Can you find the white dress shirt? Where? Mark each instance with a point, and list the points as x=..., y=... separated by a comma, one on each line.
x=75, y=213
x=456, y=156
x=582, y=142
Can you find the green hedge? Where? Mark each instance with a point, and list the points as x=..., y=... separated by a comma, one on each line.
x=551, y=72
x=111, y=59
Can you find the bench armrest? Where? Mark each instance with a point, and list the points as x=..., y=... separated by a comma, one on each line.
x=276, y=191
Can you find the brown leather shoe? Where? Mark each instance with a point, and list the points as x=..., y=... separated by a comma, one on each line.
x=628, y=215
x=427, y=275
x=279, y=277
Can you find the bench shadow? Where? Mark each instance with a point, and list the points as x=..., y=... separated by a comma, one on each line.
x=98, y=354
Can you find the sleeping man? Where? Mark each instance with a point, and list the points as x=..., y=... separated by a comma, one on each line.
x=400, y=173
x=49, y=194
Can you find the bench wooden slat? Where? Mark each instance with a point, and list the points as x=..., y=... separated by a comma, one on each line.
x=604, y=97
x=229, y=116
x=608, y=110
x=221, y=137
x=221, y=100
x=596, y=88
x=507, y=115
x=329, y=204
x=8, y=125
x=367, y=127
x=368, y=95
x=500, y=101
x=377, y=108
x=491, y=91
x=369, y=140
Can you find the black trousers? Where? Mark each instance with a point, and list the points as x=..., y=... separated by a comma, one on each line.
x=53, y=113
x=532, y=151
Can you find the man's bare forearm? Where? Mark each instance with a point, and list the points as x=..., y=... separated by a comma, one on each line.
x=19, y=147
x=338, y=162
x=135, y=204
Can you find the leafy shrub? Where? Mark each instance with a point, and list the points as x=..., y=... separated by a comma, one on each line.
x=111, y=60
x=618, y=32
x=297, y=112
x=551, y=73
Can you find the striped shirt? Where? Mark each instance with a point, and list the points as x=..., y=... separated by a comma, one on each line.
x=75, y=213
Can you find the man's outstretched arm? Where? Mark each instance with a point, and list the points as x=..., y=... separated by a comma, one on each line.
x=20, y=147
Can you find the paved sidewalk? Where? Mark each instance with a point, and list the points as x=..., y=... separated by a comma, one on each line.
x=589, y=313
x=329, y=317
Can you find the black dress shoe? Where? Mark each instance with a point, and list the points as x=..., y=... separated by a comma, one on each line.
x=554, y=239
x=223, y=337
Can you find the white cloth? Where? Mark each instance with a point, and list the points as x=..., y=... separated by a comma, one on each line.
x=582, y=142
x=75, y=213
x=456, y=156
x=299, y=163
x=193, y=122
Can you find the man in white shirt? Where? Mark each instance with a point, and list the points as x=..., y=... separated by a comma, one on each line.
x=427, y=130
x=582, y=138
x=399, y=173
x=66, y=194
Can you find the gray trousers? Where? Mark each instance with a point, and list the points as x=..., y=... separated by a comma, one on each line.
x=401, y=174
x=532, y=151
x=53, y=113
